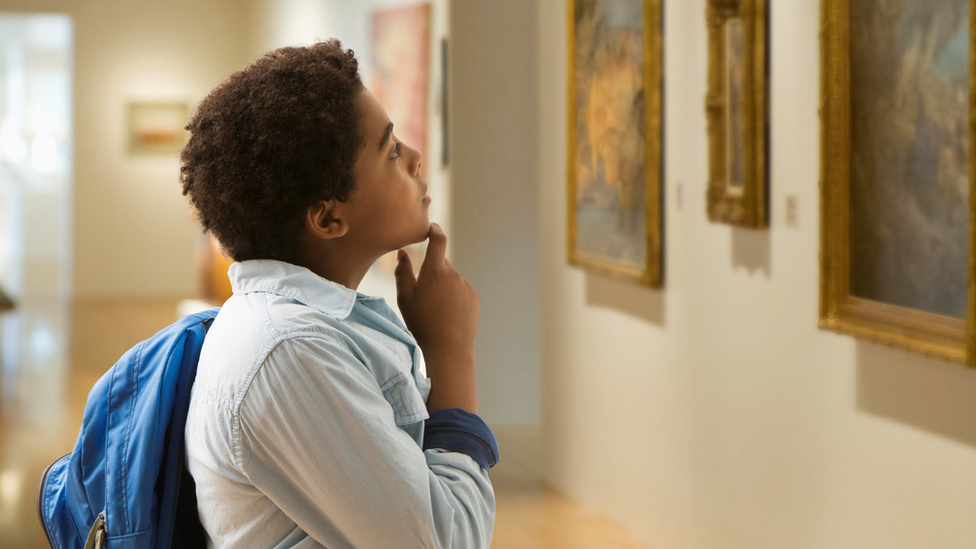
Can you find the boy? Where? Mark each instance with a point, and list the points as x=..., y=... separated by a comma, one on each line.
x=310, y=424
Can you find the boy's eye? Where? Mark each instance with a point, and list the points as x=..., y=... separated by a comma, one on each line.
x=396, y=150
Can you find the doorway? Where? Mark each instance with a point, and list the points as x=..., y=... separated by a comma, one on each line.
x=36, y=52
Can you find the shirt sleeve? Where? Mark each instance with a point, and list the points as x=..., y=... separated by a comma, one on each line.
x=317, y=437
x=458, y=430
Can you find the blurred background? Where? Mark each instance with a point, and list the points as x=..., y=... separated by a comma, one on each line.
x=711, y=414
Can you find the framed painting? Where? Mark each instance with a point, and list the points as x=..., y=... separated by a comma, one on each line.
x=897, y=168
x=737, y=108
x=614, y=138
x=157, y=127
x=400, y=38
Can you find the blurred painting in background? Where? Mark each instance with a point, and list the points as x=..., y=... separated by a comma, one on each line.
x=614, y=148
x=735, y=73
x=737, y=110
x=909, y=153
x=157, y=128
x=401, y=70
x=400, y=40
x=609, y=131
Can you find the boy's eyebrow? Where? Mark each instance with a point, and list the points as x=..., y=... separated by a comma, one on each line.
x=386, y=135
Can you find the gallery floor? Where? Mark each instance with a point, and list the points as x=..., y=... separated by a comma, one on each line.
x=51, y=354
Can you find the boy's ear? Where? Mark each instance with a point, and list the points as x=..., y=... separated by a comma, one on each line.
x=322, y=220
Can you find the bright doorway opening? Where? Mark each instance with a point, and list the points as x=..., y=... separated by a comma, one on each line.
x=36, y=64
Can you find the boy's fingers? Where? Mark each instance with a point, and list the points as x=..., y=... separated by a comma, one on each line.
x=436, y=245
x=403, y=273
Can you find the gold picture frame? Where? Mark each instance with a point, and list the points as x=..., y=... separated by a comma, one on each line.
x=939, y=335
x=647, y=269
x=971, y=319
x=736, y=103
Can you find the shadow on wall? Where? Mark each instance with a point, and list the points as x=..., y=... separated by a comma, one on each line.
x=629, y=298
x=926, y=393
x=752, y=250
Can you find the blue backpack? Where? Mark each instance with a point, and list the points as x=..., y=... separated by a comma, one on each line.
x=124, y=485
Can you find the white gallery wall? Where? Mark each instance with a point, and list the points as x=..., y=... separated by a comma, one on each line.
x=493, y=76
x=134, y=234
x=713, y=414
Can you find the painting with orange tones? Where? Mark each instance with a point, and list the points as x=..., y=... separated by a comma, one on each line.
x=157, y=127
x=614, y=154
x=401, y=70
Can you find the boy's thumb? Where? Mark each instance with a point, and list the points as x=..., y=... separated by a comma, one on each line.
x=404, y=275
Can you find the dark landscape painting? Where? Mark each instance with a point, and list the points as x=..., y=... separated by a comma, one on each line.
x=909, y=159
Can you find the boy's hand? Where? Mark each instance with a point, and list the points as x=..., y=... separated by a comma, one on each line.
x=440, y=308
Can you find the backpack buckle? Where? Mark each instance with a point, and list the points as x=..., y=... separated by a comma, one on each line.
x=96, y=536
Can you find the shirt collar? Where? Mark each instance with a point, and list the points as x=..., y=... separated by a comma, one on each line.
x=292, y=281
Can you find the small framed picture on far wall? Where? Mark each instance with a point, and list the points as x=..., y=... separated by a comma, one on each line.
x=156, y=127
x=736, y=105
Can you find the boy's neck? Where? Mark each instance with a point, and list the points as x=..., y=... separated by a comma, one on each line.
x=350, y=280
x=344, y=267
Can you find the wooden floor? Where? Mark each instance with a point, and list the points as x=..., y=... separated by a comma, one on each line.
x=51, y=354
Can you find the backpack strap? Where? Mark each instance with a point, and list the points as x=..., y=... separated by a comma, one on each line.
x=173, y=460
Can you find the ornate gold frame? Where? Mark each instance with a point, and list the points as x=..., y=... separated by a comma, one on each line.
x=745, y=207
x=971, y=321
x=931, y=334
x=652, y=274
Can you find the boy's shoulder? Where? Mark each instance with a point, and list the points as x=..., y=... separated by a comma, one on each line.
x=256, y=337
x=268, y=317
x=247, y=329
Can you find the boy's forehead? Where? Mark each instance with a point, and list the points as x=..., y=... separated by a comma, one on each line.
x=374, y=115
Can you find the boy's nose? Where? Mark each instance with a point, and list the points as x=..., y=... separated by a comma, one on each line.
x=420, y=162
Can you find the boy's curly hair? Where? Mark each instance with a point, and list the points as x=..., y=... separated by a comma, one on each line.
x=270, y=141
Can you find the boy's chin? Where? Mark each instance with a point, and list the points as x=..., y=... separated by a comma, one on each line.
x=418, y=235
x=422, y=232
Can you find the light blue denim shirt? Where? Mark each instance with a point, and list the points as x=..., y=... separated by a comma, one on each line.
x=307, y=421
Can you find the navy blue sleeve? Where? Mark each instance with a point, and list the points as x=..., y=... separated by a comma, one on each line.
x=456, y=430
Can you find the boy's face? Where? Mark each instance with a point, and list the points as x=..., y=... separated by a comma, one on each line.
x=388, y=208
